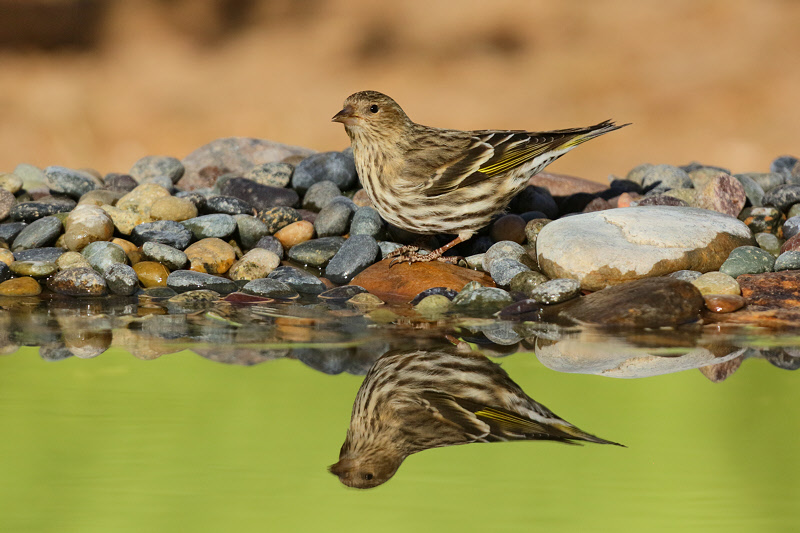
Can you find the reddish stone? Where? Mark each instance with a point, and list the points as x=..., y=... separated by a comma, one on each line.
x=598, y=204
x=723, y=194
x=792, y=244
x=401, y=282
x=724, y=303
x=625, y=199
x=561, y=185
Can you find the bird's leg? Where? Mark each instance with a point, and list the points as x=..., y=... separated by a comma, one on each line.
x=410, y=254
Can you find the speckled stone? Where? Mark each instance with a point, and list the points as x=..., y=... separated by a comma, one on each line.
x=164, y=231
x=170, y=257
x=747, y=260
x=73, y=183
x=762, y=219
x=257, y=263
x=87, y=224
x=260, y=196
x=278, y=217
x=319, y=195
x=211, y=256
x=337, y=167
x=151, y=274
x=270, y=288
x=722, y=193
x=141, y=199
x=783, y=196
x=188, y=280
x=5, y=271
x=250, y=230
x=316, y=252
x=120, y=182
x=524, y=282
x=69, y=260
x=121, y=279
x=686, y=275
x=333, y=220
x=38, y=234
x=481, y=300
x=753, y=191
x=10, y=182
x=295, y=233
x=152, y=166
x=367, y=221
x=6, y=256
x=7, y=202
x=341, y=294
x=191, y=301
x=124, y=221
x=173, y=208
x=20, y=287
x=101, y=255
x=78, y=282
x=503, y=270
x=505, y=250
x=556, y=291
x=30, y=211
x=272, y=244
x=34, y=269
x=50, y=253
x=788, y=261
x=365, y=301
x=228, y=205
x=716, y=283
x=299, y=280
x=433, y=306
x=217, y=225
x=272, y=174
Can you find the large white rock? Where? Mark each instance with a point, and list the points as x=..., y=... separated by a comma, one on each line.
x=610, y=247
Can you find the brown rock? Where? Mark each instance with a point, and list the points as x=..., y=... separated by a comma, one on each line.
x=562, y=185
x=721, y=371
x=173, y=208
x=295, y=233
x=131, y=250
x=509, y=228
x=6, y=256
x=211, y=256
x=151, y=274
x=20, y=287
x=598, y=204
x=723, y=303
x=627, y=198
x=723, y=194
x=402, y=282
x=361, y=198
x=771, y=290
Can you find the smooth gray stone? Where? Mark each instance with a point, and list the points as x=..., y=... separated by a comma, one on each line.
x=38, y=234
x=338, y=167
x=170, y=257
x=101, y=255
x=270, y=288
x=217, y=225
x=316, y=252
x=164, y=231
x=188, y=280
x=357, y=253
x=299, y=280
x=121, y=279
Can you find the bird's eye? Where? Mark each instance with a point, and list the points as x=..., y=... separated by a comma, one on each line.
x=368, y=476
x=373, y=108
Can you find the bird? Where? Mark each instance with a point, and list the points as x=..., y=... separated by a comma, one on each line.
x=413, y=400
x=431, y=180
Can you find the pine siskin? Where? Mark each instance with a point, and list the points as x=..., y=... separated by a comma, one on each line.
x=431, y=180
x=413, y=400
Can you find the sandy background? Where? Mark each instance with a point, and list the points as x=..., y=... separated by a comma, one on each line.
x=713, y=81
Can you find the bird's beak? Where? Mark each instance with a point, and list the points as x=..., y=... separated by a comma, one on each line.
x=346, y=116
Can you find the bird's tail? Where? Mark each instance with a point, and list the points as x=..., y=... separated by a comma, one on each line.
x=574, y=136
x=569, y=433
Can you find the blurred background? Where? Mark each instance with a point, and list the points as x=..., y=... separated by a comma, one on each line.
x=101, y=83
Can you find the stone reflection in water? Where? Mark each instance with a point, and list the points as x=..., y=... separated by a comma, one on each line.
x=413, y=400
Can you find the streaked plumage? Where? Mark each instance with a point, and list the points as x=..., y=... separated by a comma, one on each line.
x=414, y=400
x=432, y=180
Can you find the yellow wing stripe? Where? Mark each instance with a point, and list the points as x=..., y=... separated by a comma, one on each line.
x=512, y=160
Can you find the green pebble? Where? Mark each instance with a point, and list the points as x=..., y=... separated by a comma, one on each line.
x=525, y=282
x=747, y=260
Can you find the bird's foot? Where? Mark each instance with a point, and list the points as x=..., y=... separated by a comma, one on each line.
x=411, y=254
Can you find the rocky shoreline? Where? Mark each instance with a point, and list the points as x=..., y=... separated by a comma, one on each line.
x=664, y=246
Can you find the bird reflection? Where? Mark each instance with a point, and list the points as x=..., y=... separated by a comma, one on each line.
x=412, y=400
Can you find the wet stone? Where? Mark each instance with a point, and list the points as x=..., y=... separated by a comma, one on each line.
x=523, y=310
x=69, y=260
x=783, y=196
x=164, y=231
x=504, y=269
x=50, y=253
x=716, y=283
x=333, y=220
x=228, y=205
x=271, y=174
x=433, y=305
x=337, y=167
x=272, y=244
x=170, y=257
x=5, y=272
x=188, y=280
x=270, y=288
x=316, y=252
x=259, y=196
x=439, y=291
x=24, y=286
x=124, y=221
x=191, y=301
x=100, y=197
x=101, y=255
x=74, y=183
x=10, y=230
x=78, y=282
x=482, y=300
x=723, y=303
x=121, y=279
x=686, y=275
x=747, y=260
x=341, y=294
x=788, y=261
x=152, y=166
x=141, y=199
x=505, y=250
x=526, y=281
x=151, y=274
x=319, y=195
x=365, y=301
x=218, y=225
x=509, y=228
x=87, y=224
x=250, y=230
x=34, y=269
x=211, y=255
x=367, y=221
x=357, y=253
x=762, y=219
x=257, y=263
x=556, y=291
x=38, y=234
x=299, y=280
x=278, y=217
x=294, y=234
x=30, y=211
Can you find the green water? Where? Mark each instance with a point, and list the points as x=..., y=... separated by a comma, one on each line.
x=181, y=443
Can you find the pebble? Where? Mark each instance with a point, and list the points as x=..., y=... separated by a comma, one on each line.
x=357, y=253
x=272, y=244
x=365, y=301
x=481, y=300
x=716, y=283
x=439, y=291
x=173, y=208
x=723, y=303
x=762, y=219
x=152, y=166
x=316, y=252
x=753, y=191
x=505, y=250
x=524, y=282
x=211, y=256
x=647, y=242
x=433, y=306
x=20, y=287
x=270, y=288
x=164, y=231
x=69, y=260
x=747, y=260
x=636, y=174
x=31, y=211
x=10, y=230
x=665, y=177
x=532, y=229
x=556, y=291
x=686, y=275
x=766, y=180
x=278, y=217
x=5, y=271
x=39, y=254
x=791, y=227
x=333, y=220
x=191, y=301
x=504, y=269
x=260, y=196
x=337, y=167
x=319, y=195
x=124, y=221
x=151, y=274
x=189, y=280
x=533, y=198
x=664, y=199
x=100, y=197
x=788, y=261
x=723, y=194
x=257, y=263
x=73, y=183
x=791, y=244
x=101, y=255
x=783, y=196
x=271, y=174
x=341, y=294
x=121, y=279
x=10, y=182
x=7, y=202
x=38, y=234
x=6, y=256
x=120, y=183
x=228, y=205
x=523, y=310
x=299, y=280
x=78, y=282
x=87, y=224
x=509, y=228
x=131, y=250
x=367, y=221
x=250, y=230
x=141, y=199
x=295, y=233
x=217, y=225
x=170, y=257
x=783, y=165
x=34, y=269
x=769, y=243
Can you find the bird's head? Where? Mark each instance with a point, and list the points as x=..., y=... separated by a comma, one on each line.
x=372, y=114
x=366, y=471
